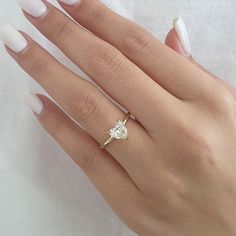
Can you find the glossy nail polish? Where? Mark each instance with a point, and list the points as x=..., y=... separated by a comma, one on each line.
x=13, y=38
x=70, y=2
x=33, y=102
x=181, y=31
x=35, y=8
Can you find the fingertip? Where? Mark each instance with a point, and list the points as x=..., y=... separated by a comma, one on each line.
x=182, y=34
x=174, y=43
x=13, y=38
x=33, y=102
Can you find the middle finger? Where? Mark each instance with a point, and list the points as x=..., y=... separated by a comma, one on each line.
x=107, y=66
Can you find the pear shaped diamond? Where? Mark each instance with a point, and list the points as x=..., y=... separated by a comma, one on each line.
x=119, y=131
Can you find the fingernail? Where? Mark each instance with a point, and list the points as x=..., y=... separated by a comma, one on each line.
x=33, y=102
x=35, y=8
x=13, y=38
x=181, y=31
x=70, y=2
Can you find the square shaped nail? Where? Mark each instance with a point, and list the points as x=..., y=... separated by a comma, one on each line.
x=35, y=8
x=13, y=38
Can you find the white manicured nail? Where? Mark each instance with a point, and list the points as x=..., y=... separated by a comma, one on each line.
x=13, y=38
x=70, y=2
x=35, y=8
x=33, y=102
x=181, y=31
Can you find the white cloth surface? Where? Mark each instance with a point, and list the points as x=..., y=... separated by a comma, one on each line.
x=42, y=192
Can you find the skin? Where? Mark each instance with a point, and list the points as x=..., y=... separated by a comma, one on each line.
x=176, y=174
x=173, y=42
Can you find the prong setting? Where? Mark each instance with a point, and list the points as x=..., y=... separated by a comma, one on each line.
x=119, y=131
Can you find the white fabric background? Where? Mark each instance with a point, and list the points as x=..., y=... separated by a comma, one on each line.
x=41, y=191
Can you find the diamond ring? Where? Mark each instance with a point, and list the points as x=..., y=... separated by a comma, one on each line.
x=119, y=131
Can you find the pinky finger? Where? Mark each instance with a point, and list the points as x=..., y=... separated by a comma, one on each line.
x=178, y=40
x=103, y=171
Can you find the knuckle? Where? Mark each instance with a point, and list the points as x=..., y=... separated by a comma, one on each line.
x=197, y=143
x=138, y=40
x=37, y=66
x=108, y=60
x=61, y=29
x=35, y=63
x=85, y=106
x=95, y=15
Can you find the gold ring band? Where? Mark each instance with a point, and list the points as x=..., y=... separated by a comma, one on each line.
x=119, y=132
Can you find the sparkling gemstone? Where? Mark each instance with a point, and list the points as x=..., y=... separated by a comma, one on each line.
x=119, y=131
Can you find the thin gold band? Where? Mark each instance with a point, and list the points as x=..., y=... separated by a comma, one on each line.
x=110, y=139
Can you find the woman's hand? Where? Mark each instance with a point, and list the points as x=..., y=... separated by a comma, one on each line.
x=176, y=174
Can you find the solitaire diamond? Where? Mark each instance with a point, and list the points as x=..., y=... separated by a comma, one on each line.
x=119, y=131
